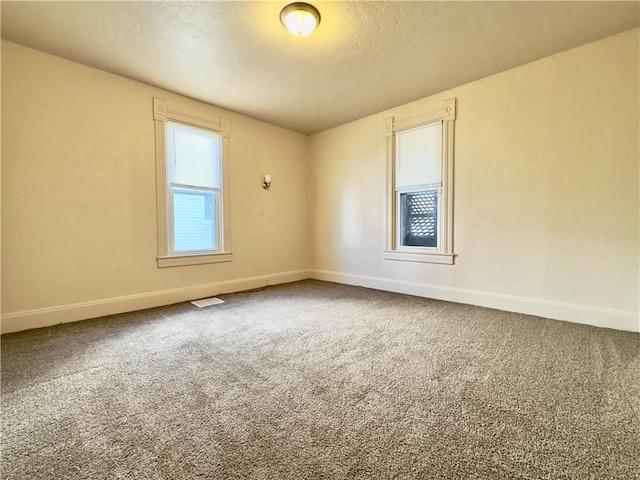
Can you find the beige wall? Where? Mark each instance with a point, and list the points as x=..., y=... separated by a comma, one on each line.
x=546, y=192
x=79, y=191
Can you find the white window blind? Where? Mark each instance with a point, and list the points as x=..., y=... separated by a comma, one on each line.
x=419, y=156
x=193, y=156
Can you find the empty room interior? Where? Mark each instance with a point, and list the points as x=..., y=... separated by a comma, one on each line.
x=415, y=226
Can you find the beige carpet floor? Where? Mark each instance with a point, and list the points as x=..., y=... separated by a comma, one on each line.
x=314, y=380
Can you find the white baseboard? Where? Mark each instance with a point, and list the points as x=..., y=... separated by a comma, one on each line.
x=586, y=314
x=44, y=317
x=571, y=312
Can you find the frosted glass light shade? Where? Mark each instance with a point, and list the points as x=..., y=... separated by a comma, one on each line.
x=300, y=18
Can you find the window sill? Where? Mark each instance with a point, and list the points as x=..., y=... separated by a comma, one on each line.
x=183, y=260
x=422, y=257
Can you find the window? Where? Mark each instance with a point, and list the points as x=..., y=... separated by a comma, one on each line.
x=419, y=152
x=191, y=202
x=194, y=171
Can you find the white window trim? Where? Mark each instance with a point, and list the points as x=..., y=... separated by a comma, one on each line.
x=165, y=258
x=446, y=113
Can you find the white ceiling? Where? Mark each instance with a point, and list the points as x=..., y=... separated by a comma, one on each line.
x=364, y=58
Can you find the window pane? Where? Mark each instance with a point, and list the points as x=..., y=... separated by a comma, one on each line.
x=419, y=156
x=193, y=156
x=419, y=219
x=194, y=213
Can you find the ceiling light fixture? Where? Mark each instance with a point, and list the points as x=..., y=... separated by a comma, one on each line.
x=300, y=18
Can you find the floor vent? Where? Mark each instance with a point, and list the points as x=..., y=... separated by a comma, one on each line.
x=206, y=302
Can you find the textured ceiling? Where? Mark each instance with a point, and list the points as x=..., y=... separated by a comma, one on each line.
x=365, y=56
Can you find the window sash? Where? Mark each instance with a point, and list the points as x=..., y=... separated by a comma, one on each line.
x=418, y=164
x=187, y=230
x=176, y=226
x=400, y=228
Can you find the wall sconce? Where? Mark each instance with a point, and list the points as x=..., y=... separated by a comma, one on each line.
x=266, y=182
x=300, y=18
